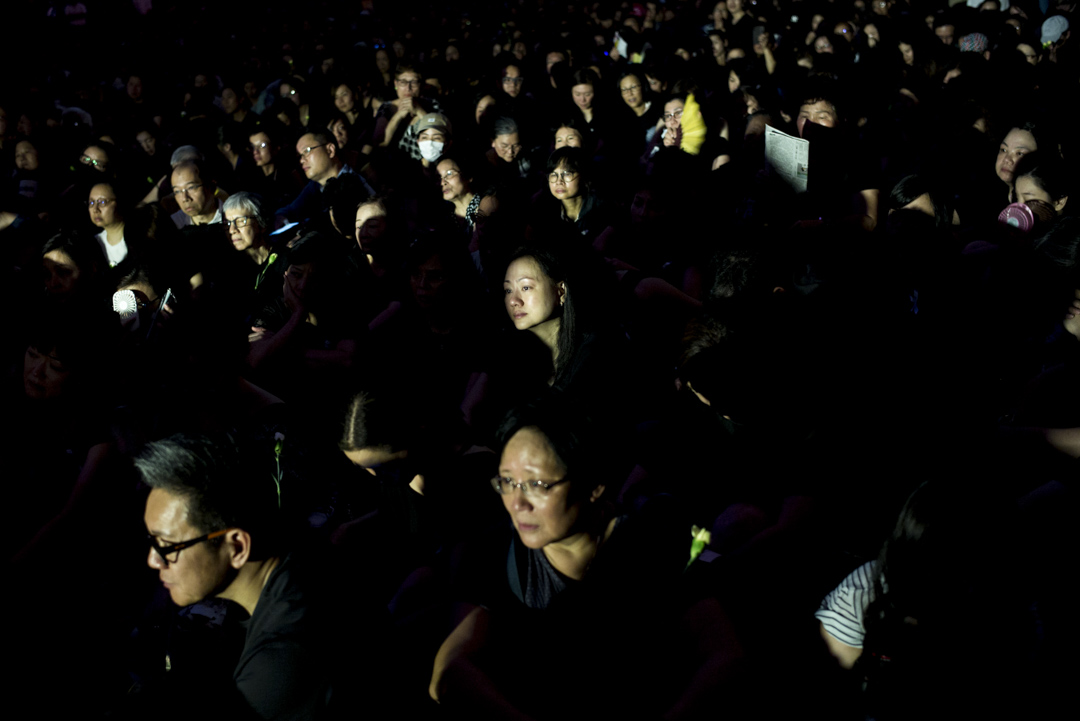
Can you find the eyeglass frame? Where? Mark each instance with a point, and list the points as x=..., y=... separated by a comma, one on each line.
x=100, y=201
x=408, y=83
x=236, y=221
x=531, y=489
x=308, y=150
x=187, y=190
x=516, y=81
x=163, y=551
x=565, y=176
x=629, y=89
x=87, y=160
x=671, y=116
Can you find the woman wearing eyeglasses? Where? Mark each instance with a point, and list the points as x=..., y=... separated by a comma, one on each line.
x=248, y=222
x=106, y=214
x=634, y=90
x=575, y=591
x=570, y=183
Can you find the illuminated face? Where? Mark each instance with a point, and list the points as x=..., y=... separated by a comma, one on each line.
x=673, y=114
x=512, y=80
x=566, y=184
x=1028, y=191
x=654, y=84
x=823, y=45
x=1029, y=53
x=244, y=237
x=538, y=520
x=1016, y=145
x=26, y=156
x=434, y=135
x=632, y=92
x=193, y=197
x=872, y=34
x=567, y=136
x=583, y=95
x=344, y=98
x=261, y=151
x=820, y=113
x=44, y=374
x=96, y=158
x=532, y=298
x=199, y=571
x=370, y=223
x=717, y=46
x=317, y=163
x=508, y=147
x=945, y=33
x=103, y=211
x=454, y=186
x=407, y=85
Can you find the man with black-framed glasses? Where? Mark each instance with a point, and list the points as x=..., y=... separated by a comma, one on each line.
x=212, y=517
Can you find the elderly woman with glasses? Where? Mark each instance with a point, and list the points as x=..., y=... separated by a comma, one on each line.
x=553, y=594
x=248, y=222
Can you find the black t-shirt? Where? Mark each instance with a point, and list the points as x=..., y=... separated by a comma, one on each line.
x=281, y=671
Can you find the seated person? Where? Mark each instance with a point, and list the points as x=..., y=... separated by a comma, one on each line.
x=212, y=523
x=195, y=193
x=320, y=161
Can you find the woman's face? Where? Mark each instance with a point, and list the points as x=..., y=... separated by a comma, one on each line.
x=382, y=61
x=26, y=156
x=734, y=6
x=482, y=106
x=1016, y=145
x=632, y=92
x=407, y=85
x=61, y=273
x=583, y=95
x=102, y=205
x=340, y=130
x=542, y=517
x=245, y=237
x=673, y=113
x=733, y=82
x=229, y=102
x=370, y=223
x=454, y=185
x=512, y=80
x=44, y=375
x=567, y=136
x=823, y=45
x=1028, y=190
x=654, y=84
x=907, y=53
x=344, y=99
x=566, y=184
x=532, y=297
x=1029, y=53
x=96, y=158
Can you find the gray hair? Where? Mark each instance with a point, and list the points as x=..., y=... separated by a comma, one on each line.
x=505, y=126
x=184, y=153
x=249, y=204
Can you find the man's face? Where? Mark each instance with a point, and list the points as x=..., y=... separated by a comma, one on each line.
x=193, y=573
x=945, y=33
x=193, y=197
x=316, y=160
x=820, y=113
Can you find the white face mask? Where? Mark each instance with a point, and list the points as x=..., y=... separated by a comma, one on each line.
x=430, y=150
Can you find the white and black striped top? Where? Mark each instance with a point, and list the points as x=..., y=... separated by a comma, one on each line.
x=842, y=611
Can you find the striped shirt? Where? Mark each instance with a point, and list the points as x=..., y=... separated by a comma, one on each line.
x=842, y=611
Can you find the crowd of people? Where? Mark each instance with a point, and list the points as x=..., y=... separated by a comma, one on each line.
x=779, y=413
